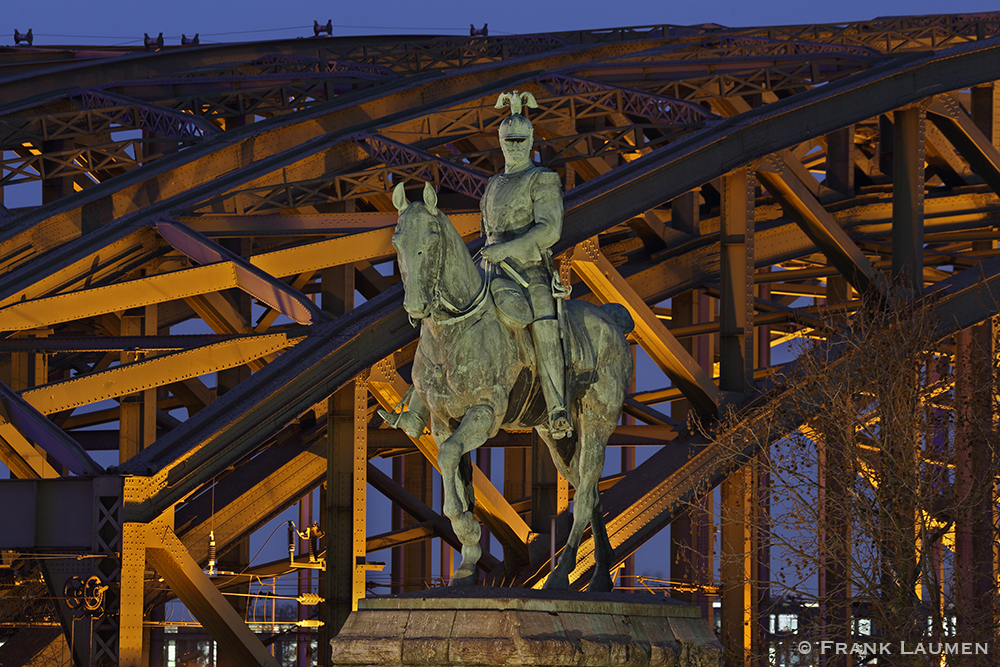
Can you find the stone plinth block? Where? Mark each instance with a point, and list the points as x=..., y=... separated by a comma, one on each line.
x=503, y=626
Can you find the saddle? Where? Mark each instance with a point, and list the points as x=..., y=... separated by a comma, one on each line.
x=514, y=311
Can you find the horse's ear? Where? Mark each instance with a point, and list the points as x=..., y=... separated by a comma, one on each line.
x=399, y=198
x=430, y=199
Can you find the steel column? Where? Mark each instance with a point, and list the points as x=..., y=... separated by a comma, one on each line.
x=184, y=576
x=411, y=563
x=346, y=480
x=974, y=584
x=549, y=501
x=130, y=631
x=137, y=412
x=736, y=354
x=840, y=160
x=908, y=200
x=691, y=545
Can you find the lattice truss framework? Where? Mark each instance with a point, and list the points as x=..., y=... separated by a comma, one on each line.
x=222, y=188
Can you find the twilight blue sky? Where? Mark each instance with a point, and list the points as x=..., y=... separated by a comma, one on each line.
x=121, y=21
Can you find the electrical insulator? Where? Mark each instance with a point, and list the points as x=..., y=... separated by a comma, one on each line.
x=291, y=542
x=23, y=37
x=314, y=535
x=321, y=29
x=310, y=623
x=190, y=41
x=211, y=553
x=152, y=44
x=309, y=599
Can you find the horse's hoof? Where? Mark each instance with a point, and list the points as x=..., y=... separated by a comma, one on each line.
x=464, y=576
x=557, y=582
x=469, y=580
x=601, y=583
x=559, y=425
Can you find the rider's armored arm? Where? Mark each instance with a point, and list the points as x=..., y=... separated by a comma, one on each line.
x=482, y=216
x=548, y=203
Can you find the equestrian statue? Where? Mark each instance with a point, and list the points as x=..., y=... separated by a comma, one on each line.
x=501, y=347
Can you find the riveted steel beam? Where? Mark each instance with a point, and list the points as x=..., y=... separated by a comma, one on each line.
x=372, y=245
x=110, y=343
x=821, y=228
x=21, y=456
x=159, y=288
x=605, y=281
x=166, y=553
x=217, y=164
x=652, y=495
x=158, y=371
x=957, y=126
x=19, y=420
x=102, y=260
x=251, y=279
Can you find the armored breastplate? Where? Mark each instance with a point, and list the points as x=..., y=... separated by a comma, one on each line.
x=508, y=208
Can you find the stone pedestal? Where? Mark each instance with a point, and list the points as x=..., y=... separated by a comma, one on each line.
x=504, y=626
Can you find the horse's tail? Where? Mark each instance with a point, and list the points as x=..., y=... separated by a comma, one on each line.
x=619, y=314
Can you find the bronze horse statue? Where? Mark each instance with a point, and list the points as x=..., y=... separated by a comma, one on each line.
x=473, y=370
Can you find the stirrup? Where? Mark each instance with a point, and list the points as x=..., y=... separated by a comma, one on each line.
x=559, y=424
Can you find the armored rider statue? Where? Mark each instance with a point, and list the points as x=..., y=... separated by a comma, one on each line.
x=522, y=214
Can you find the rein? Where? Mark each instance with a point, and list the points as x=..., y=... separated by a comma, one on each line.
x=441, y=303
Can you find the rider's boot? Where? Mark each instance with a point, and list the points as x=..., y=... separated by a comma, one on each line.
x=552, y=373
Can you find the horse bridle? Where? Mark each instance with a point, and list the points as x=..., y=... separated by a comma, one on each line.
x=439, y=301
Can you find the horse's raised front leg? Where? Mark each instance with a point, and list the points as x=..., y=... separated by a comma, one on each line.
x=457, y=485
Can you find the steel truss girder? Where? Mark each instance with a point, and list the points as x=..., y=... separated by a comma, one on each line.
x=582, y=222
x=652, y=335
x=284, y=64
x=17, y=130
x=658, y=489
x=215, y=165
x=21, y=422
x=465, y=173
x=32, y=165
x=153, y=372
x=421, y=164
x=639, y=289
x=946, y=112
x=149, y=117
x=795, y=197
x=895, y=34
x=645, y=183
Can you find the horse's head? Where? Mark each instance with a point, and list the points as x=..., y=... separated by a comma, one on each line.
x=419, y=250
